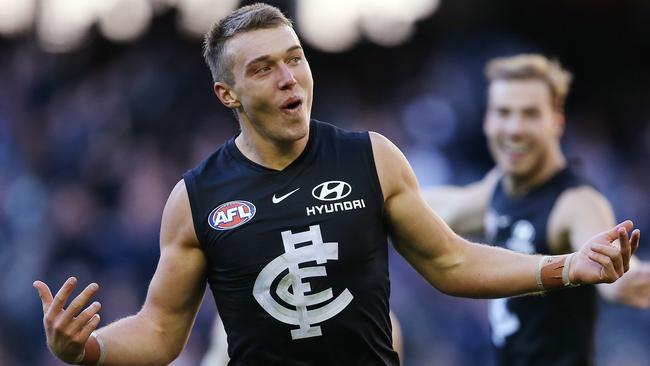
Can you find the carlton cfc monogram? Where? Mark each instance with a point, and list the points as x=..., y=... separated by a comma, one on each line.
x=302, y=317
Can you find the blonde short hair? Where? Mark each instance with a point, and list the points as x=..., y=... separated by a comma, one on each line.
x=533, y=66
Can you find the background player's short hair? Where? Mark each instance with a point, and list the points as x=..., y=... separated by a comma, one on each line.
x=244, y=19
x=533, y=66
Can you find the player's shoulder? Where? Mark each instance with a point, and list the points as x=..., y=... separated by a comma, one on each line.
x=177, y=215
x=582, y=196
x=388, y=156
x=179, y=191
x=381, y=144
x=178, y=202
x=580, y=201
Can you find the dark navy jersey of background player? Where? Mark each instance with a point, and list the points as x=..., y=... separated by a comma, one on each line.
x=297, y=259
x=556, y=328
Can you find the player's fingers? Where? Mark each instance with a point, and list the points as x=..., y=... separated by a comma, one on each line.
x=44, y=293
x=607, y=273
x=87, y=329
x=613, y=254
x=86, y=315
x=635, y=240
x=62, y=295
x=81, y=300
x=626, y=248
x=612, y=234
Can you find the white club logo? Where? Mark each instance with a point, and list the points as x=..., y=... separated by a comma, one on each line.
x=331, y=191
x=320, y=253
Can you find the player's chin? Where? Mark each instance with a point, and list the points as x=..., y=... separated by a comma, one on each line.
x=298, y=124
x=295, y=131
x=517, y=169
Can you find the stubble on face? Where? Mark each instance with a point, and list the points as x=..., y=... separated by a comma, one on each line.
x=273, y=83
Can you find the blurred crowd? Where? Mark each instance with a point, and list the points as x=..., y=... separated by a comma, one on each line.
x=92, y=142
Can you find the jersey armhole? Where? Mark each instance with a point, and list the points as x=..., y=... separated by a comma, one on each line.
x=190, y=185
x=374, y=176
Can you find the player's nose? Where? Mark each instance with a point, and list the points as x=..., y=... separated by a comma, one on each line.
x=513, y=125
x=286, y=78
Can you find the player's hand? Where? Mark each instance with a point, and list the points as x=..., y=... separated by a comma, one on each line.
x=606, y=256
x=633, y=289
x=67, y=330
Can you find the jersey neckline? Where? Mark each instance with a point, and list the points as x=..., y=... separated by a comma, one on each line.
x=234, y=152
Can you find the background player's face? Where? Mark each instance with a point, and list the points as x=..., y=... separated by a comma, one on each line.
x=273, y=83
x=522, y=127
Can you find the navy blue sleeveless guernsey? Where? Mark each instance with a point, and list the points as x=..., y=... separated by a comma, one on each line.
x=556, y=328
x=297, y=259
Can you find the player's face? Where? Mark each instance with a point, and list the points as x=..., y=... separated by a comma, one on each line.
x=522, y=127
x=273, y=83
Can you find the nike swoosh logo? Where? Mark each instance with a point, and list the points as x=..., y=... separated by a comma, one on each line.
x=281, y=198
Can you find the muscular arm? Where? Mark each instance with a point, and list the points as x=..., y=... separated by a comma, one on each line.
x=463, y=208
x=579, y=213
x=452, y=264
x=158, y=332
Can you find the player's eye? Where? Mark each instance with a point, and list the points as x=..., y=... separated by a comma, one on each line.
x=262, y=70
x=532, y=113
x=503, y=112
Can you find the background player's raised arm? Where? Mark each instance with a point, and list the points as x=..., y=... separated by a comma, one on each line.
x=582, y=211
x=458, y=267
x=158, y=332
x=463, y=207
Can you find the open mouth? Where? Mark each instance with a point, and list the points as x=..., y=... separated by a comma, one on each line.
x=292, y=104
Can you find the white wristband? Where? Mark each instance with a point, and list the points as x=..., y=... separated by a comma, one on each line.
x=538, y=274
x=102, y=349
x=565, y=271
x=78, y=360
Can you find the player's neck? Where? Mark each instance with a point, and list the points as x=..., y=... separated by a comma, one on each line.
x=269, y=153
x=516, y=186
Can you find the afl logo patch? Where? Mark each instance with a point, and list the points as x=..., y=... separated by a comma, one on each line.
x=231, y=215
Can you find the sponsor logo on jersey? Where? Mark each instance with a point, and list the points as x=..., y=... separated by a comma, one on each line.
x=277, y=200
x=333, y=190
x=231, y=215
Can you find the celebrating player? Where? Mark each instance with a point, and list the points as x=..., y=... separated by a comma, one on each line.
x=288, y=224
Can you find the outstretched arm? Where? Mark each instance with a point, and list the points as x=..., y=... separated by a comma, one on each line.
x=158, y=332
x=463, y=207
x=582, y=211
x=458, y=267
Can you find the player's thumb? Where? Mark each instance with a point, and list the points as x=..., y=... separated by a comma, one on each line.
x=44, y=293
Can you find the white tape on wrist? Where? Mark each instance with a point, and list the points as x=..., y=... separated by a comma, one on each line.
x=78, y=360
x=538, y=274
x=565, y=271
x=102, y=349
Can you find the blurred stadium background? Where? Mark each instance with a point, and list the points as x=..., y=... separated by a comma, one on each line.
x=104, y=104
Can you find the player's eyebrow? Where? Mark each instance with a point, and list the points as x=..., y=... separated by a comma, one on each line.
x=266, y=57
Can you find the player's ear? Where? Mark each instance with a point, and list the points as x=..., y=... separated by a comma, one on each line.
x=226, y=95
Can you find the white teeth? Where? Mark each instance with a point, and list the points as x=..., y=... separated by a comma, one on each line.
x=515, y=147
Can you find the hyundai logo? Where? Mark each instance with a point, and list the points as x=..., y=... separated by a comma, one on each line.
x=331, y=191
